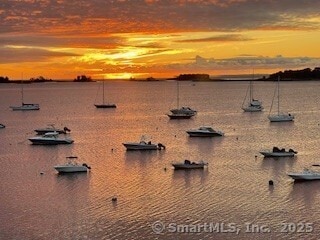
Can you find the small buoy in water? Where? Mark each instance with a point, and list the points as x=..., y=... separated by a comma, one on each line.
x=111, y=149
x=255, y=156
x=165, y=169
x=41, y=173
x=114, y=199
x=270, y=182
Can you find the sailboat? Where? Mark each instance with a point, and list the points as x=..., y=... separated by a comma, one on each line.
x=279, y=117
x=104, y=105
x=25, y=106
x=183, y=112
x=253, y=105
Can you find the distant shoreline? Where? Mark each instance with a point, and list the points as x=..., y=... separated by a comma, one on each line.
x=161, y=80
x=288, y=75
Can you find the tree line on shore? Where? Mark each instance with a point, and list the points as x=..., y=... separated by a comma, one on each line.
x=304, y=74
x=287, y=75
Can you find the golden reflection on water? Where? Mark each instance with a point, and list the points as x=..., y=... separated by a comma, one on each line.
x=233, y=188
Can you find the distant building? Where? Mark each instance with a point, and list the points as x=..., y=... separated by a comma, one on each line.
x=82, y=78
x=40, y=79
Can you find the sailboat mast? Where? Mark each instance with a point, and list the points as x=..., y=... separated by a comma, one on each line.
x=278, y=95
x=252, y=85
x=22, y=88
x=103, y=91
x=178, y=93
x=250, y=93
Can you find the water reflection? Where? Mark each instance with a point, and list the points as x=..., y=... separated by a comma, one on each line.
x=188, y=177
x=205, y=145
x=142, y=158
x=307, y=191
x=52, y=206
x=278, y=164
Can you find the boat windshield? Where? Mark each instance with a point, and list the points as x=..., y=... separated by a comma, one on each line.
x=51, y=134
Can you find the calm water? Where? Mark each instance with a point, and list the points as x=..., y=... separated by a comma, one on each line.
x=232, y=192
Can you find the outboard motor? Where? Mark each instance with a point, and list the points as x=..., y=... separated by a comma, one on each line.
x=161, y=146
x=291, y=150
x=65, y=129
x=85, y=165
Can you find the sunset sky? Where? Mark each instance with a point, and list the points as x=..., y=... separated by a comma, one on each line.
x=61, y=39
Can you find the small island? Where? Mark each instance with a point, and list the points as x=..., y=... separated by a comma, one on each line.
x=31, y=80
x=40, y=79
x=193, y=77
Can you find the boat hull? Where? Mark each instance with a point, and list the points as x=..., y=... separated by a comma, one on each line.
x=203, y=134
x=281, y=118
x=200, y=134
x=2, y=126
x=132, y=146
x=304, y=176
x=252, y=109
x=181, y=166
x=105, y=105
x=71, y=169
x=180, y=116
x=39, y=141
x=26, y=107
x=277, y=154
x=183, y=111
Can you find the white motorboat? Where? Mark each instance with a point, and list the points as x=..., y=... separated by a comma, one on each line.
x=305, y=175
x=51, y=128
x=2, y=126
x=276, y=152
x=71, y=166
x=204, y=131
x=183, y=110
x=279, y=117
x=187, y=164
x=143, y=145
x=50, y=138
